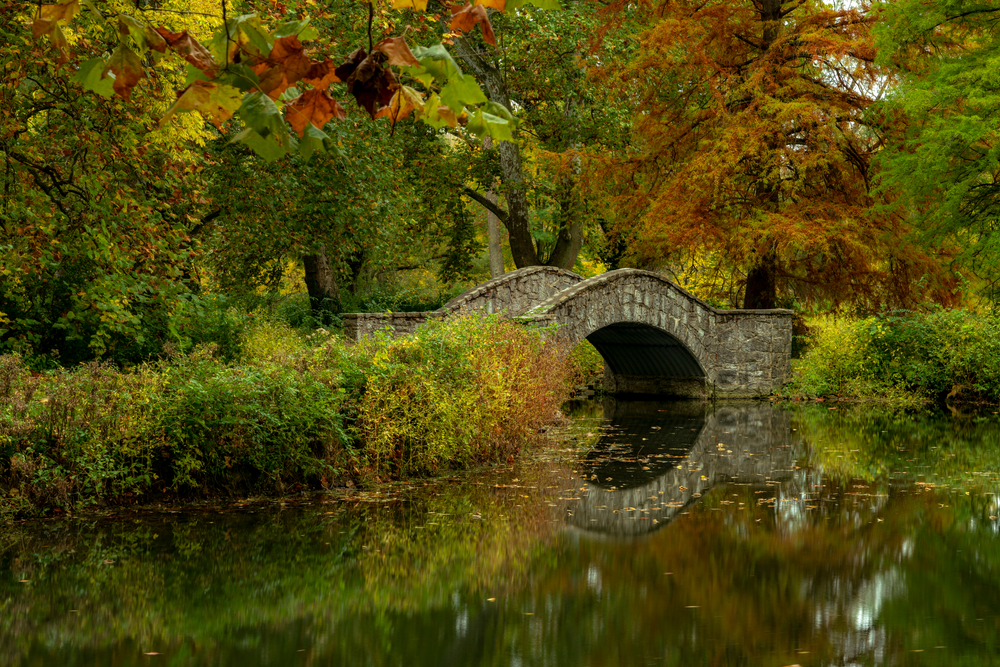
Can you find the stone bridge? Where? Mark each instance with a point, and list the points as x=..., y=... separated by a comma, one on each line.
x=655, y=337
x=636, y=480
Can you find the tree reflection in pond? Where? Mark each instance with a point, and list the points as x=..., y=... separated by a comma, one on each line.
x=783, y=558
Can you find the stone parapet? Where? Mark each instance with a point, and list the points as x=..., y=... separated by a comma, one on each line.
x=515, y=292
x=362, y=325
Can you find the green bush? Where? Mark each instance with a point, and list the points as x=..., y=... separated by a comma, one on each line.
x=920, y=355
x=587, y=363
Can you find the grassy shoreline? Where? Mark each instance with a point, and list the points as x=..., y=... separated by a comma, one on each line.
x=291, y=412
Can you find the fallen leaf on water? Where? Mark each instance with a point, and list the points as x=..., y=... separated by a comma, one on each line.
x=151, y=653
x=491, y=599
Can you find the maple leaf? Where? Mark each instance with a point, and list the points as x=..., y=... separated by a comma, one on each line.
x=313, y=106
x=398, y=51
x=368, y=80
x=89, y=75
x=285, y=65
x=214, y=102
x=127, y=68
x=403, y=102
x=143, y=35
x=272, y=80
x=464, y=19
x=419, y=5
x=42, y=27
x=48, y=23
x=320, y=75
x=63, y=11
x=287, y=52
x=190, y=49
x=438, y=115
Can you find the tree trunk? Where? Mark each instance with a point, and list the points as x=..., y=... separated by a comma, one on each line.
x=321, y=283
x=569, y=238
x=494, y=239
x=522, y=246
x=761, y=291
x=761, y=288
x=493, y=236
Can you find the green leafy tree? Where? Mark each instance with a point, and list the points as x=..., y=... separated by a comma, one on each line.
x=539, y=71
x=95, y=212
x=384, y=203
x=947, y=161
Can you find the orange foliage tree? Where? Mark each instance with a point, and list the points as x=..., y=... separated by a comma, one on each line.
x=751, y=154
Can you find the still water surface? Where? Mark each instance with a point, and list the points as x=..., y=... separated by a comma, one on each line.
x=653, y=534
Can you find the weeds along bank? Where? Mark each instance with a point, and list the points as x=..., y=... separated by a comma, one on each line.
x=903, y=357
x=290, y=411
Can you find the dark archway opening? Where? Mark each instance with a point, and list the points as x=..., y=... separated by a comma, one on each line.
x=644, y=360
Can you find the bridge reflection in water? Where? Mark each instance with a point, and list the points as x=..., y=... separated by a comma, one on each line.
x=653, y=460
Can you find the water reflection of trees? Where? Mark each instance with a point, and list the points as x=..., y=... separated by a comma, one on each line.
x=854, y=571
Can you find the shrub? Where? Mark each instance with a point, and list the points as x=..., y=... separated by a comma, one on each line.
x=255, y=424
x=924, y=355
x=460, y=390
x=292, y=410
x=587, y=363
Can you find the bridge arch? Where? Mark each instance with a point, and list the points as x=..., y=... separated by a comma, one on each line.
x=657, y=338
x=636, y=476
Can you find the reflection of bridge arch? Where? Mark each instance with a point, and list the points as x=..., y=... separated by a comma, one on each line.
x=700, y=447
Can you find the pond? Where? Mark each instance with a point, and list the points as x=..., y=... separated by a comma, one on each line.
x=650, y=534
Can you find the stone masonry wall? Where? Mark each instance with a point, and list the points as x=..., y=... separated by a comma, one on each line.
x=743, y=443
x=744, y=353
x=512, y=294
x=362, y=325
x=741, y=353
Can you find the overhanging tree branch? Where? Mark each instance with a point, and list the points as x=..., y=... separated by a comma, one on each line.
x=487, y=204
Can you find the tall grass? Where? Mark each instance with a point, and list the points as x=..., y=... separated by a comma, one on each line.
x=290, y=410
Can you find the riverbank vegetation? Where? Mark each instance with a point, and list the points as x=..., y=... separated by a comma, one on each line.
x=902, y=357
x=288, y=412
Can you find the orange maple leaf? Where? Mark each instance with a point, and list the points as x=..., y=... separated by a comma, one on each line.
x=313, y=106
x=190, y=49
x=464, y=19
x=398, y=51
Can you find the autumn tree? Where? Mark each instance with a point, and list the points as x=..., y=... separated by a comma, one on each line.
x=752, y=153
x=96, y=171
